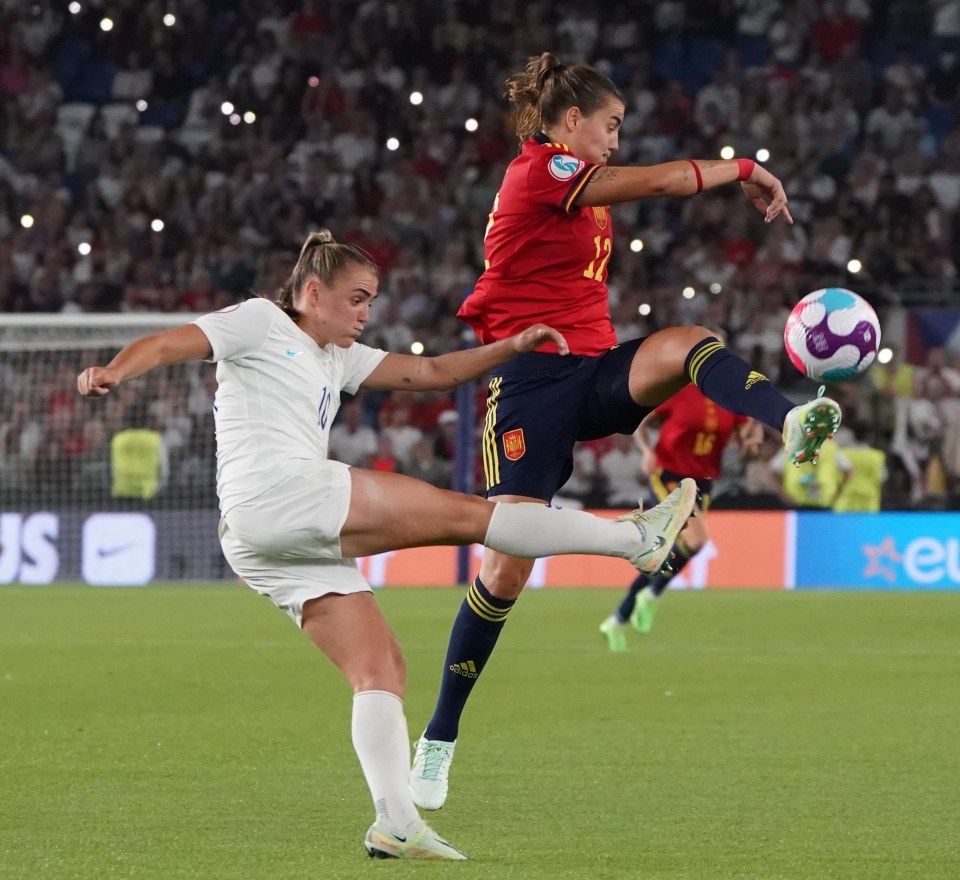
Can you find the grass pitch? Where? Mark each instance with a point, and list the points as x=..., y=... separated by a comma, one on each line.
x=192, y=732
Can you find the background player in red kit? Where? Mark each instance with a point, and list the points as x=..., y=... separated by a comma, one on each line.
x=547, y=246
x=694, y=432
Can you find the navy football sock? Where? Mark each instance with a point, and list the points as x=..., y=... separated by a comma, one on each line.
x=730, y=382
x=625, y=609
x=475, y=632
x=661, y=579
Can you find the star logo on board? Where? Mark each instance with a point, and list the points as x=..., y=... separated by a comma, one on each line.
x=877, y=557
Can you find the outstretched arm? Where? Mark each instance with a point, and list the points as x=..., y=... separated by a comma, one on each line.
x=749, y=437
x=187, y=343
x=642, y=437
x=612, y=185
x=445, y=371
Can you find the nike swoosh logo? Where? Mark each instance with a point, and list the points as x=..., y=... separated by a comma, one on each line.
x=658, y=541
x=291, y=353
x=106, y=552
x=397, y=837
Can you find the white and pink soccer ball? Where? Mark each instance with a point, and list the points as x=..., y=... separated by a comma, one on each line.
x=832, y=334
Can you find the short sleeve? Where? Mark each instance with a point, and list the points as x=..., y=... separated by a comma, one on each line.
x=359, y=361
x=239, y=330
x=556, y=178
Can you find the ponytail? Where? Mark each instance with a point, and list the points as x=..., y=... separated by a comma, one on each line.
x=546, y=89
x=323, y=258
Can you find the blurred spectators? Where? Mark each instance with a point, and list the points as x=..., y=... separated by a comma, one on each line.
x=424, y=465
x=174, y=165
x=351, y=441
x=582, y=489
x=621, y=472
x=139, y=457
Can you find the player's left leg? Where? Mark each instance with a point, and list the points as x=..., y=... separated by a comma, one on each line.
x=670, y=358
x=352, y=632
x=389, y=511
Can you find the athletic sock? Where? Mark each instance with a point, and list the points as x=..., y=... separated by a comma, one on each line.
x=382, y=743
x=625, y=608
x=530, y=530
x=730, y=382
x=682, y=555
x=475, y=632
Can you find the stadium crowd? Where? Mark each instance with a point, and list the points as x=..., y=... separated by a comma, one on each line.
x=171, y=156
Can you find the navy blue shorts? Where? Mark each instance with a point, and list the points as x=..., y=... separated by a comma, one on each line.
x=539, y=405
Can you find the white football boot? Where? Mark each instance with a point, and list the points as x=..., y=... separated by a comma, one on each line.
x=429, y=773
x=383, y=842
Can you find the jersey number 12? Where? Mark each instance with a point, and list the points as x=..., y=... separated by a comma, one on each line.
x=603, y=244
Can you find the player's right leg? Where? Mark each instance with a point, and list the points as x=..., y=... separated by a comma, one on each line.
x=669, y=358
x=389, y=511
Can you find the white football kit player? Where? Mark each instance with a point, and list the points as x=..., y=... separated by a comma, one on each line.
x=282, y=501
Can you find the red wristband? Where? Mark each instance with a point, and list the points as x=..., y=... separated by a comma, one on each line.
x=696, y=170
x=746, y=167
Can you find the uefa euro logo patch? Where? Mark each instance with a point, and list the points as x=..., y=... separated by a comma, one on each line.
x=563, y=167
x=514, y=446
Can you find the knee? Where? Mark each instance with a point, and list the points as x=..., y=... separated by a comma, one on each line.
x=505, y=577
x=383, y=671
x=674, y=344
x=693, y=336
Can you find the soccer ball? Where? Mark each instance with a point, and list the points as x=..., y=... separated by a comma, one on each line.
x=832, y=334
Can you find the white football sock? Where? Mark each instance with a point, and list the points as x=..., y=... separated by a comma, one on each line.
x=533, y=530
x=382, y=743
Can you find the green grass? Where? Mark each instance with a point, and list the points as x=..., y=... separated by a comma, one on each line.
x=192, y=732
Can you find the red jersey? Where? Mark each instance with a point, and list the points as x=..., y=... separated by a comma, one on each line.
x=694, y=433
x=546, y=261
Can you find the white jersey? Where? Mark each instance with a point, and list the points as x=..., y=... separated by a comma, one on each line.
x=277, y=395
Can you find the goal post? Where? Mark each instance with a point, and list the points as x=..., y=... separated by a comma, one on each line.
x=112, y=491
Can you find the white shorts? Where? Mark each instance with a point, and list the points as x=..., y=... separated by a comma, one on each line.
x=286, y=544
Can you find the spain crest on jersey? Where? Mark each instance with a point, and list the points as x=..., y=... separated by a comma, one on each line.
x=514, y=446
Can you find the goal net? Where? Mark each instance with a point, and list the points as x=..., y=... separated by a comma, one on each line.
x=114, y=491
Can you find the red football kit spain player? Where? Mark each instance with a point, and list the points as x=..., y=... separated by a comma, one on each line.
x=548, y=246
x=565, y=274
x=539, y=407
x=694, y=432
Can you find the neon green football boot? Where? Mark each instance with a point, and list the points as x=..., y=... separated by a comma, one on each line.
x=807, y=426
x=643, y=613
x=615, y=634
